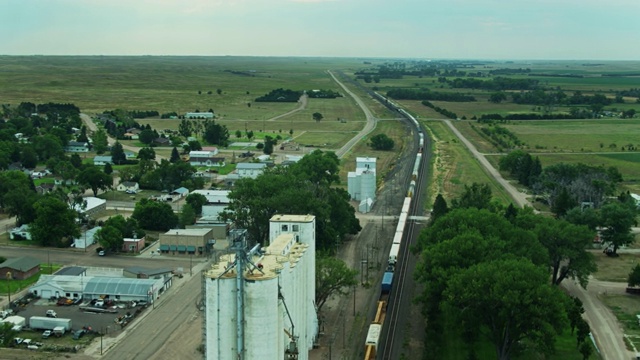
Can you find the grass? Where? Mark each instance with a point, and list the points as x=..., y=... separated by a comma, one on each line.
x=454, y=167
x=614, y=268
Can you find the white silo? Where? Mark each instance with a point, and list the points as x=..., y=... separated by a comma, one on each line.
x=261, y=295
x=368, y=185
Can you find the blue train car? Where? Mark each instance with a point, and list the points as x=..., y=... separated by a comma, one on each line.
x=387, y=282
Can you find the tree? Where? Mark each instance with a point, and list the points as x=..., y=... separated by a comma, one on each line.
x=196, y=201
x=634, y=276
x=187, y=216
x=617, y=220
x=95, y=179
x=507, y=301
x=475, y=196
x=109, y=237
x=498, y=97
x=219, y=92
x=154, y=215
x=195, y=145
x=100, y=141
x=332, y=277
x=108, y=169
x=117, y=154
x=382, y=142
x=7, y=334
x=147, y=153
x=147, y=136
x=566, y=244
x=238, y=134
x=185, y=128
x=216, y=134
x=175, y=156
x=54, y=222
x=269, y=142
x=317, y=116
x=250, y=135
x=440, y=208
x=16, y=196
x=563, y=203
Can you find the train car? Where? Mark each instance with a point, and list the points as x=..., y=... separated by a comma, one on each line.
x=412, y=188
x=406, y=205
x=393, y=255
x=416, y=167
x=387, y=282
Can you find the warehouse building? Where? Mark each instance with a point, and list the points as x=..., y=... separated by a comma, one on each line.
x=277, y=311
x=186, y=241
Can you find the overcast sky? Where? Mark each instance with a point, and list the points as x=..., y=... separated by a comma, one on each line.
x=425, y=29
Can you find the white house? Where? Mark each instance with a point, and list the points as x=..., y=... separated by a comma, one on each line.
x=128, y=186
x=217, y=200
x=76, y=146
x=250, y=170
x=102, y=160
x=206, y=158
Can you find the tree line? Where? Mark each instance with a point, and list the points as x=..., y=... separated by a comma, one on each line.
x=280, y=95
x=426, y=94
x=491, y=273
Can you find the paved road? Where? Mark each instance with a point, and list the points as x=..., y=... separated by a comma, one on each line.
x=369, y=126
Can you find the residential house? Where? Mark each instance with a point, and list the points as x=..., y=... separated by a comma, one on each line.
x=162, y=141
x=250, y=170
x=180, y=193
x=102, y=160
x=205, y=158
x=20, y=268
x=76, y=146
x=128, y=186
x=45, y=188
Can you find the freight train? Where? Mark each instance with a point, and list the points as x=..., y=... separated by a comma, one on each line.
x=375, y=328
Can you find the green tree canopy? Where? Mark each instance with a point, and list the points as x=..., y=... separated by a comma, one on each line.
x=381, y=142
x=617, y=219
x=147, y=153
x=332, y=277
x=110, y=238
x=117, y=154
x=634, y=276
x=55, y=223
x=100, y=141
x=317, y=116
x=95, y=179
x=187, y=216
x=196, y=201
x=154, y=215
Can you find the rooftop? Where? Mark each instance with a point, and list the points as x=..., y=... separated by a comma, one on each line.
x=188, y=232
x=292, y=218
x=23, y=263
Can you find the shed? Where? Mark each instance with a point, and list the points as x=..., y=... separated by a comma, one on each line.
x=182, y=192
x=144, y=273
x=123, y=289
x=19, y=268
x=72, y=271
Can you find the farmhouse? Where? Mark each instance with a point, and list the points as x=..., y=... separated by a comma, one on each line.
x=250, y=170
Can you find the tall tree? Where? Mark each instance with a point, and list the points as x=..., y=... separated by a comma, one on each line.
x=317, y=116
x=109, y=237
x=95, y=179
x=147, y=153
x=187, y=216
x=117, y=154
x=567, y=244
x=381, y=142
x=475, y=196
x=55, y=223
x=617, y=220
x=507, y=301
x=332, y=278
x=100, y=141
x=440, y=208
x=196, y=201
x=634, y=276
x=147, y=136
x=175, y=156
x=154, y=215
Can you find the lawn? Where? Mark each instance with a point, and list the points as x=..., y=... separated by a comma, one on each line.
x=625, y=308
x=614, y=268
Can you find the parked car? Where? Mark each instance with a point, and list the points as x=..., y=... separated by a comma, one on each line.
x=79, y=333
x=51, y=313
x=101, y=253
x=46, y=334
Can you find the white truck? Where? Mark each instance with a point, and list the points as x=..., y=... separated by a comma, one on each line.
x=46, y=323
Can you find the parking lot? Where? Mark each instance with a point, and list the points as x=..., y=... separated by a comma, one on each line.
x=99, y=322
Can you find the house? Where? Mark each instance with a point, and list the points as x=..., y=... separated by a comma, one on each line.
x=180, y=192
x=162, y=141
x=198, y=115
x=129, y=154
x=250, y=170
x=76, y=146
x=102, y=160
x=217, y=201
x=133, y=245
x=45, y=188
x=128, y=186
x=205, y=158
x=20, y=268
x=20, y=233
x=212, y=149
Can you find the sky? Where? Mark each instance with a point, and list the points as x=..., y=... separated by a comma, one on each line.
x=417, y=29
